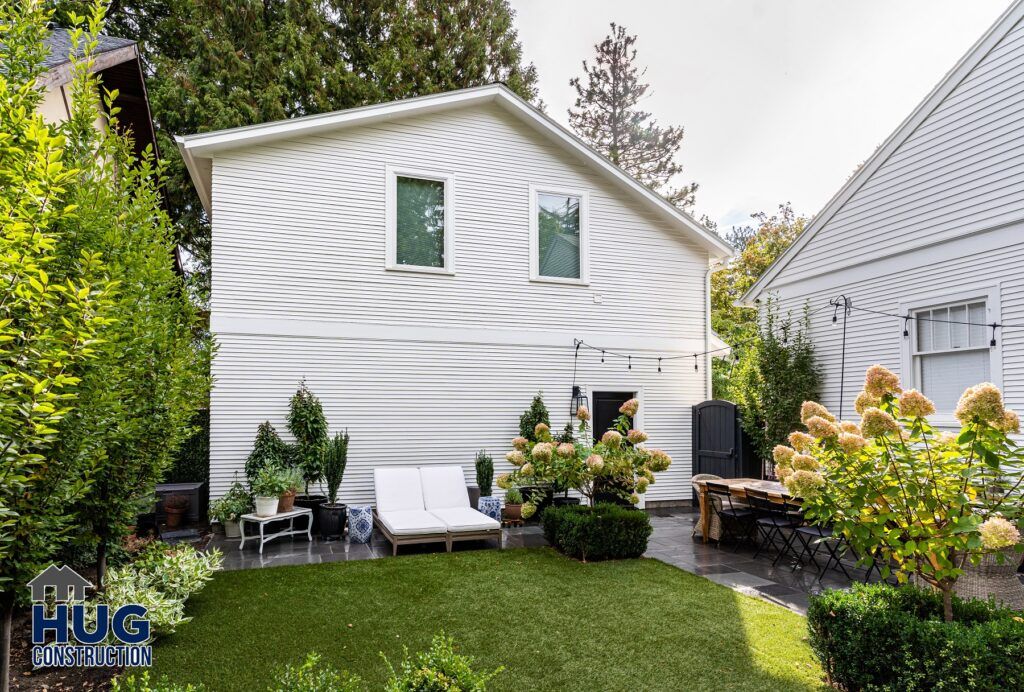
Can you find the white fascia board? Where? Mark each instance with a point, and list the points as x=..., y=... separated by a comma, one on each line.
x=944, y=88
x=204, y=145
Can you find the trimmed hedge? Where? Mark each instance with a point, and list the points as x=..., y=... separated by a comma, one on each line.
x=880, y=637
x=604, y=532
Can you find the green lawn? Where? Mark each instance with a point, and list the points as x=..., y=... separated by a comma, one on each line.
x=554, y=623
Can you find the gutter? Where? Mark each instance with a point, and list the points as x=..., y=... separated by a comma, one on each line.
x=713, y=266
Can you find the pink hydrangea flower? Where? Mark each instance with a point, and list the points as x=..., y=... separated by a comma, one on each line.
x=914, y=404
x=595, y=462
x=583, y=413
x=848, y=426
x=821, y=428
x=810, y=409
x=851, y=443
x=800, y=441
x=804, y=483
x=611, y=438
x=515, y=457
x=879, y=381
x=541, y=430
x=636, y=436
x=542, y=451
x=521, y=443
x=864, y=401
x=659, y=460
x=875, y=423
x=804, y=462
x=1010, y=423
x=566, y=449
x=630, y=408
x=527, y=470
x=983, y=402
x=782, y=453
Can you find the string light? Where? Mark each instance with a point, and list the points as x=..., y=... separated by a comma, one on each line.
x=659, y=363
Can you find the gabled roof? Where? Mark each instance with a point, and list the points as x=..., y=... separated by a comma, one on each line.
x=110, y=51
x=198, y=149
x=975, y=55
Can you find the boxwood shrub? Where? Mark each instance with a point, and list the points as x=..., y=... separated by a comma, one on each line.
x=604, y=532
x=881, y=637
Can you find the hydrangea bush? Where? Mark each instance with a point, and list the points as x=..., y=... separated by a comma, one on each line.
x=619, y=463
x=922, y=500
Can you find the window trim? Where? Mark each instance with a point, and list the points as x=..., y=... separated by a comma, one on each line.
x=993, y=311
x=535, y=276
x=392, y=173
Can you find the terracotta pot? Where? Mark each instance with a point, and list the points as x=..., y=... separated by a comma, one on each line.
x=174, y=515
x=286, y=502
x=512, y=513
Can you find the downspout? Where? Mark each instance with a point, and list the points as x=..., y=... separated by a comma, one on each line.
x=713, y=265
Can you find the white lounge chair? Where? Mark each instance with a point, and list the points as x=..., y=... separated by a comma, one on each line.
x=445, y=496
x=400, y=514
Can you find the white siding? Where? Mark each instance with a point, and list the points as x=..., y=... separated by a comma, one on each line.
x=429, y=368
x=960, y=171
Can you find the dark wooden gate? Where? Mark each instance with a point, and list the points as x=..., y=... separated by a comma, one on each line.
x=719, y=444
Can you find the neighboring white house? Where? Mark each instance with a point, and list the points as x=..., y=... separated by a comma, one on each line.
x=426, y=265
x=931, y=226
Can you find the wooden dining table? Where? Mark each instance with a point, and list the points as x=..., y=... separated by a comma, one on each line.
x=738, y=487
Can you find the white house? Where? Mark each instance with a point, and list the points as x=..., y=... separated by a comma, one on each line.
x=426, y=265
x=931, y=228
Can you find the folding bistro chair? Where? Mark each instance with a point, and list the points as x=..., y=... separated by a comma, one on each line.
x=736, y=519
x=772, y=519
x=812, y=537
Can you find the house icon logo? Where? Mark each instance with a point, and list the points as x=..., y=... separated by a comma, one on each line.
x=66, y=584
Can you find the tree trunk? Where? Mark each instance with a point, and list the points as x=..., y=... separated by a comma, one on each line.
x=101, y=563
x=7, y=602
x=947, y=602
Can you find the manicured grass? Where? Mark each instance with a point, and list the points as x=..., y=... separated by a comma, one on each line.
x=554, y=623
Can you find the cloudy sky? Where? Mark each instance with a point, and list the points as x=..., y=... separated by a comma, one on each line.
x=781, y=99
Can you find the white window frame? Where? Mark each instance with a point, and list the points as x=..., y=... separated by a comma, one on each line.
x=910, y=306
x=391, y=219
x=535, y=275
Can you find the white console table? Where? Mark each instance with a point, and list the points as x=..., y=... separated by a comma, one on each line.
x=290, y=531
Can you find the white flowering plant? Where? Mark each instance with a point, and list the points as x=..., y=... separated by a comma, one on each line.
x=918, y=499
x=618, y=463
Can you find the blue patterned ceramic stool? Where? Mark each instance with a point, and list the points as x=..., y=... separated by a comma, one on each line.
x=360, y=523
x=491, y=506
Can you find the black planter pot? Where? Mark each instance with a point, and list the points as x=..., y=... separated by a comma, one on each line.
x=562, y=501
x=474, y=496
x=611, y=498
x=311, y=502
x=332, y=520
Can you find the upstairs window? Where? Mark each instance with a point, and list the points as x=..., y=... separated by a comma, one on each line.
x=951, y=351
x=419, y=222
x=558, y=236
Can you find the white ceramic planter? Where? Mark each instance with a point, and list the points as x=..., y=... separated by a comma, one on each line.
x=231, y=529
x=266, y=506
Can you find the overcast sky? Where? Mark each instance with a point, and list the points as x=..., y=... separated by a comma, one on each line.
x=781, y=99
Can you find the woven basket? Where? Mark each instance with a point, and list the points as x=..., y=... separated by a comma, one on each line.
x=715, y=525
x=989, y=578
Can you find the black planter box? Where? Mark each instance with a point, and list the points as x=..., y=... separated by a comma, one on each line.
x=196, y=494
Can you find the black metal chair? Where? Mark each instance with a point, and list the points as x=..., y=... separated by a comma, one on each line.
x=772, y=521
x=812, y=537
x=736, y=519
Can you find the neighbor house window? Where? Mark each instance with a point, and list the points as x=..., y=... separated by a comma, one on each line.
x=558, y=236
x=951, y=351
x=419, y=220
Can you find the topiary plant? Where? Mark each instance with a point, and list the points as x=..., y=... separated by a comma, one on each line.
x=334, y=462
x=484, y=472
x=267, y=450
x=308, y=425
x=532, y=417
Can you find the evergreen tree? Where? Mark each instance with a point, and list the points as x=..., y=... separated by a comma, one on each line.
x=536, y=414
x=227, y=63
x=607, y=116
x=268, y=449
x=308, y=426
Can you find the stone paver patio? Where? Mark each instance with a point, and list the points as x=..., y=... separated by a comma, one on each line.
x=671, y=542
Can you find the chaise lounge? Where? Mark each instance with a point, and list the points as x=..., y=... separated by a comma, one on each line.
x=427, y=505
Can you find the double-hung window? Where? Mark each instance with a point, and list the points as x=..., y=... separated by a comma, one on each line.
x=950, y=350
x=420, y=233
x=558, y=236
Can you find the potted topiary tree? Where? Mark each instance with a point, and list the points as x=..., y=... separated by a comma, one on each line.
x=332, y=512
x=227, y=509
x=268, y=485
x=486, y=503
x=308, y=425
x=175, y=507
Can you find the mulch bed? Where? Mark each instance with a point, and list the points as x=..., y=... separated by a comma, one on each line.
x=24, y=678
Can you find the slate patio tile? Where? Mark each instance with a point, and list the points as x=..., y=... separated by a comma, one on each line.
x=738, y=579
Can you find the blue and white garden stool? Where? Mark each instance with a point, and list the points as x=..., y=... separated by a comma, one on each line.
x=360, y=523
x=491, y=506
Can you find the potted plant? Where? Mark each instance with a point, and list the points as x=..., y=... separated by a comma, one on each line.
x=486, y=503
x=513, y=505
x=267, y=486
x=292, y=481
x=308, y=425
x=332, y=512
x=175, y=507
x=227, y=509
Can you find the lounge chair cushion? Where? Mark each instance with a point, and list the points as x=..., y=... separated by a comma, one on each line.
x=459, y=519
x=444, y=487
x=411, y=521
x=398, y=489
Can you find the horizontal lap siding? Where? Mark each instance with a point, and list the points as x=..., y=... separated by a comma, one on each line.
x=877, y=339
x=417, y=403
x=961, y=171
x=298, y=234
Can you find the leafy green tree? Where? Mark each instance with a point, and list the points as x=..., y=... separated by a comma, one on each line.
x=532, y=417
x=756, y=247
x=50, y=312
x=775, y=375
x=607, y=115
x=308, y=426
x=227, y=63
x=268, y=449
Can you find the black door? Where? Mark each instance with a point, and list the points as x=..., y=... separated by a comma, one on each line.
x=717, y=439
x=606, y=410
